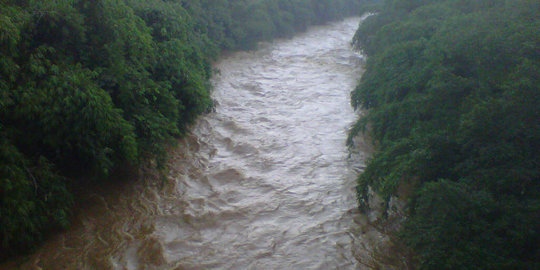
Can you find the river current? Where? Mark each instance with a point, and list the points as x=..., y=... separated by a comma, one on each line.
x=263, y=182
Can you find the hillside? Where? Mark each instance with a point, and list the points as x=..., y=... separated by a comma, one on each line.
x=452, y=96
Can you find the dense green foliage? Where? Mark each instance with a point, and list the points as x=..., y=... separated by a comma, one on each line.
x=88, y=86
x=453, y=103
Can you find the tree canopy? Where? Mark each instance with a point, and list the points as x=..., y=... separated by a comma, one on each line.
x=452, y=96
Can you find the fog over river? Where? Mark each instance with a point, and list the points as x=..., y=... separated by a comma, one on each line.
x=264, y=182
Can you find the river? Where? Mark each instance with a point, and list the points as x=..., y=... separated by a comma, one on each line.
x=264, y=182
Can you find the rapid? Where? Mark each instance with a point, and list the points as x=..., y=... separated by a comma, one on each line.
x=263, y=182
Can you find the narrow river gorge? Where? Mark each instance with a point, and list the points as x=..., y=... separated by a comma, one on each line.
x=264, y=182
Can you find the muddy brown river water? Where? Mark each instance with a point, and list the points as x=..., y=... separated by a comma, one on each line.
x=264, y=182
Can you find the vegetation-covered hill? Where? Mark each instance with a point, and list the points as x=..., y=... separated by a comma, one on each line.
x=88, y=86
x=453, y=103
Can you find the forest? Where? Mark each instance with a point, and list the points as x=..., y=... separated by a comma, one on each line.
x=89, y=87
x=452, y=100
